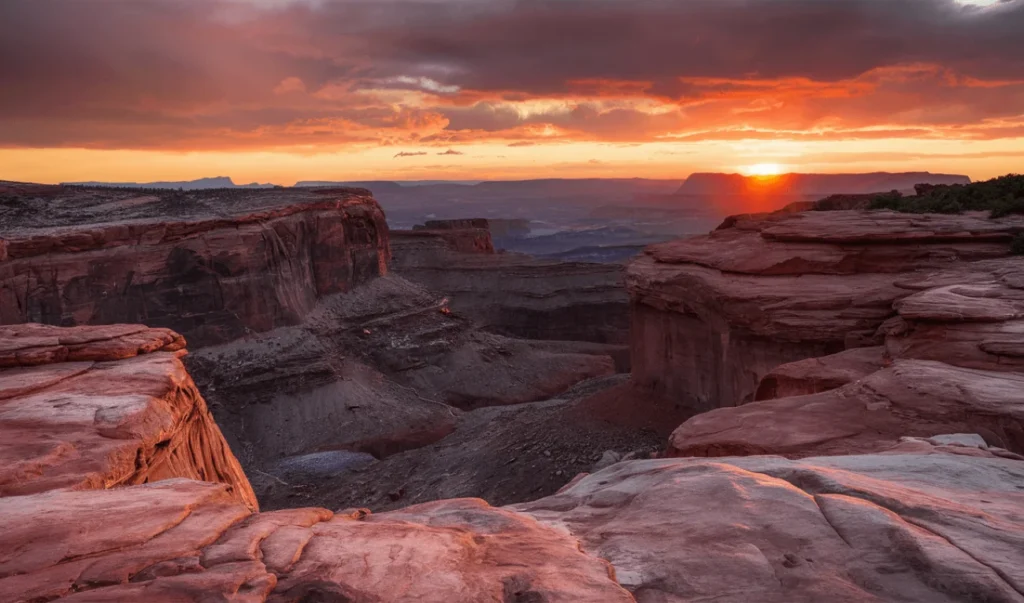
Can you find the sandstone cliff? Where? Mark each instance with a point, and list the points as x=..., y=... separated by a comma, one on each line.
x=952, y=362
x=100, y=407
x=213, y=265
x=712, y=315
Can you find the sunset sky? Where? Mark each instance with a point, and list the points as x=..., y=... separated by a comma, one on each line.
x=286, y=90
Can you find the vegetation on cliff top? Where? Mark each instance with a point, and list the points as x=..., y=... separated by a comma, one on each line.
x=1001, y=196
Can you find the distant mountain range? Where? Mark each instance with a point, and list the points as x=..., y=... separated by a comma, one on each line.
x=700, y=184
x=813, y=184
x=188, y=185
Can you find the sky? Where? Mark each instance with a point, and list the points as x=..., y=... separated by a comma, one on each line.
x=287, y=90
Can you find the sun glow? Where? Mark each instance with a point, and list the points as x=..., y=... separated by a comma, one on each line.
x=763, y=169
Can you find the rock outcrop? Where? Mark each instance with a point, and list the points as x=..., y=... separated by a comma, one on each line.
x=384, y=369
x=921, y=523
x=712, y=315
x=515, y=294
x=926, y=520
x=99, y=407
x=952, y=361
x=212, y=265
x=466, y=236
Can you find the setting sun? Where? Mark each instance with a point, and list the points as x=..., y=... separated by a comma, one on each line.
x=764, y=169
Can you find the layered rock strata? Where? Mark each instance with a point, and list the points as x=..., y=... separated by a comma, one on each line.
x=381, y=370
x=100, y=407
x=213, y=265
x=712, y=315
x=952, y=361
x=515, y=294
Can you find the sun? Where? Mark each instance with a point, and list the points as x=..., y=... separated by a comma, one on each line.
x=764, y=169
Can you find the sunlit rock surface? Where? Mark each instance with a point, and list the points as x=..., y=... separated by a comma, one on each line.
x=102, y=407
x=929, y=519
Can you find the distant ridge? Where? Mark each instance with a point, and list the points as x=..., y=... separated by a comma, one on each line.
x=188, y=185
x=813, y=184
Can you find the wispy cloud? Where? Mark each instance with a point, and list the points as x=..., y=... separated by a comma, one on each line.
x=410, y=154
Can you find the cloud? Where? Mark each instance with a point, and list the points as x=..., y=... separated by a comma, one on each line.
x=233, y=74
x=290, y=84
x=410, y=154
x=452, y=152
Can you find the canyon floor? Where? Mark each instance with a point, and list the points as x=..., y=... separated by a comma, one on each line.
x=310, y=407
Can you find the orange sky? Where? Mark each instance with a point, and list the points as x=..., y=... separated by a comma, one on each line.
x=287, y=90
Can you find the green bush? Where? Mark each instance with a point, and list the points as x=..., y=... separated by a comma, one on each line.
x=1001, y=196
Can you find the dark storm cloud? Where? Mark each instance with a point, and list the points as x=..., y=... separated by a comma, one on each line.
x=540, y=46
x=167, y=73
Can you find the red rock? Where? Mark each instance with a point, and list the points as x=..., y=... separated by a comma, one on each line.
x=923, y=526
x=101, y=424
x=450, y=551
x=713, y=315
x=816, y=375
x=212, y=265
x=932, y=519
x=34, y=344
x=911, y=398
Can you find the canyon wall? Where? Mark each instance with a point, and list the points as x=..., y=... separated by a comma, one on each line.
x=510, y=293
x=712, y=315
x=952, y=362
x=213, y=265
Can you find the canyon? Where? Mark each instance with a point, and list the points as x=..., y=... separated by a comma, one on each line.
x=819, y=405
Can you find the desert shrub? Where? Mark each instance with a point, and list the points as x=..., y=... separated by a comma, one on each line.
x=916, y=205
x=1001, y=196
x=1005, y=207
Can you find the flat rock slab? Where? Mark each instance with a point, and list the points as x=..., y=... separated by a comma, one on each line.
x=35, y=344
x=910, y=398
x=900, y=527
x=181, y=540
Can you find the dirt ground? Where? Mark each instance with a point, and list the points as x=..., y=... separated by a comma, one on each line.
x=503, y=455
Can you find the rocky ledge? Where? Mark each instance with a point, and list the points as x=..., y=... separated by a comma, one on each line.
x=713, y=315
x=100, y=407
x=928, y=520
x=213, y=265
x=952, y=361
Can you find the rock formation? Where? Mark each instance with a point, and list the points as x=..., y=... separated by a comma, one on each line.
x=928, y=520
x=953, y=361
x=514, y=294
x=924, y=522
x=213, y=265
x=712, y=315
x=380, y=370
x=100, y=407
x=305, y=348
